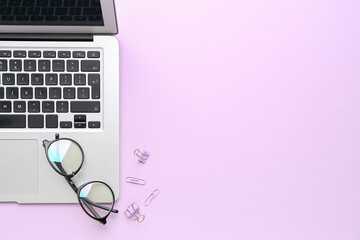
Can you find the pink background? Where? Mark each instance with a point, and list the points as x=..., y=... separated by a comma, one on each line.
x=250, y=109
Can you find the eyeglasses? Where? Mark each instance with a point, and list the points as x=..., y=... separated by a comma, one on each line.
x=66, y=157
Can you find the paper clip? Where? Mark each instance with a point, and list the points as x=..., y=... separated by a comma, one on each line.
x=151, y=197
x=132, y=211
x=143, y=156
x=135, y=180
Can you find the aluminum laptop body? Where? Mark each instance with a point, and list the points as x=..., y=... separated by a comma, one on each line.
x=59, y=73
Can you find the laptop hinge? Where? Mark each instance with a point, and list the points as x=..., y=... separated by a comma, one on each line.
x=46, y=37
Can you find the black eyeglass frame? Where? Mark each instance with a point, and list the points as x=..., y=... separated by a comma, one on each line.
x=77, y=190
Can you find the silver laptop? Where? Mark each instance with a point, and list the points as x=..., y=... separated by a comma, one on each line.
x=59, y=68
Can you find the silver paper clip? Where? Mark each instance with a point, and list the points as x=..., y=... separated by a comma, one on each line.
x=143, y=156
x=135, y=180
x=151, y=197
x=132, y=211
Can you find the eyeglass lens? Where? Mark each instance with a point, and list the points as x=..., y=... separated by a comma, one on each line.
x=97, y=199
x=65, y=156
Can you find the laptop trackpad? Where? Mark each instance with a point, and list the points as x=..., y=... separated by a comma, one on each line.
x=18, y=167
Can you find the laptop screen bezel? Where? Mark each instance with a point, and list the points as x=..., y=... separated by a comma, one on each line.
x=109, y=17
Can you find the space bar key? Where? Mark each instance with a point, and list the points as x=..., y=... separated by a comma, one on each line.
x=85, y=106
x=12, y=121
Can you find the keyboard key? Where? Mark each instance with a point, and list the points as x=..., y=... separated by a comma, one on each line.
x=22, y=18
x=79, y=79
x=94, y=124
x=69, y=3
x=33, y=11
x=95, y=3
x=40, y=93
x=72, y=65
x=4, y=54
x=69, y=93
x=39, y=18
x=92, y=11
x=12, y=93
x=58, y=65
x=65, y=79
x=22, y=79
x=56, y=3
x=3, y=65
x=62, y=107
x=1, y=93
x=33, y=106
x=78, y=54
x=83, y=93
x=15, y=65
x=64, y=54
x=80, y=18
x=26, y=92
x=66, y=124
x=95, y=18
x=37, y=79
x=47, y=11
x=94, y=82
x=28, y=3
x=35, y=121
x=8, y=79
x=30, y=65
x=54, y=93
x=34, y=54
x=19, y=106
x=51, y=121
x=60, y=11
x=5, y=106
x=12, y=121
x=80, y=124
x=44, y=65
x=90, y=65
x=75, y=11
x=83, y=3
x=93, y=54
x=85, y=106
x=51, y=18
x=66, y=18
x=51, y=79
x=14, y=3
x=19, y=11
x=48, y=106
x=49, y=54
x=5, y=10
x=20, y=54
x=7, y=18
x=79, y=118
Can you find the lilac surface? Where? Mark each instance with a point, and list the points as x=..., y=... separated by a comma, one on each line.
x=252, y=105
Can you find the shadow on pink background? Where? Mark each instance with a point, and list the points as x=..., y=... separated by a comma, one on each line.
x=250, y=110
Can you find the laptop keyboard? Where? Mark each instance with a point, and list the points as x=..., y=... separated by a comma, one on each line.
x=73, y=12
x=50, y=88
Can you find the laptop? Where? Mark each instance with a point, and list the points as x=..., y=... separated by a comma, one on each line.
x=59, y=74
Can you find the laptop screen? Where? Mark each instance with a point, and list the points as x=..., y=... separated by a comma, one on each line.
x=51, y=12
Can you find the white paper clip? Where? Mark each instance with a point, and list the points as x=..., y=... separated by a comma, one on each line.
x=143, y=156
x=151, y=197
x=132, y=211
x=135, y=180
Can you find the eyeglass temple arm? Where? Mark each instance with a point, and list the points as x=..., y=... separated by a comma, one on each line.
x=70, y=182
x=85, y=199
x=73, y=186
x=91, y=209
